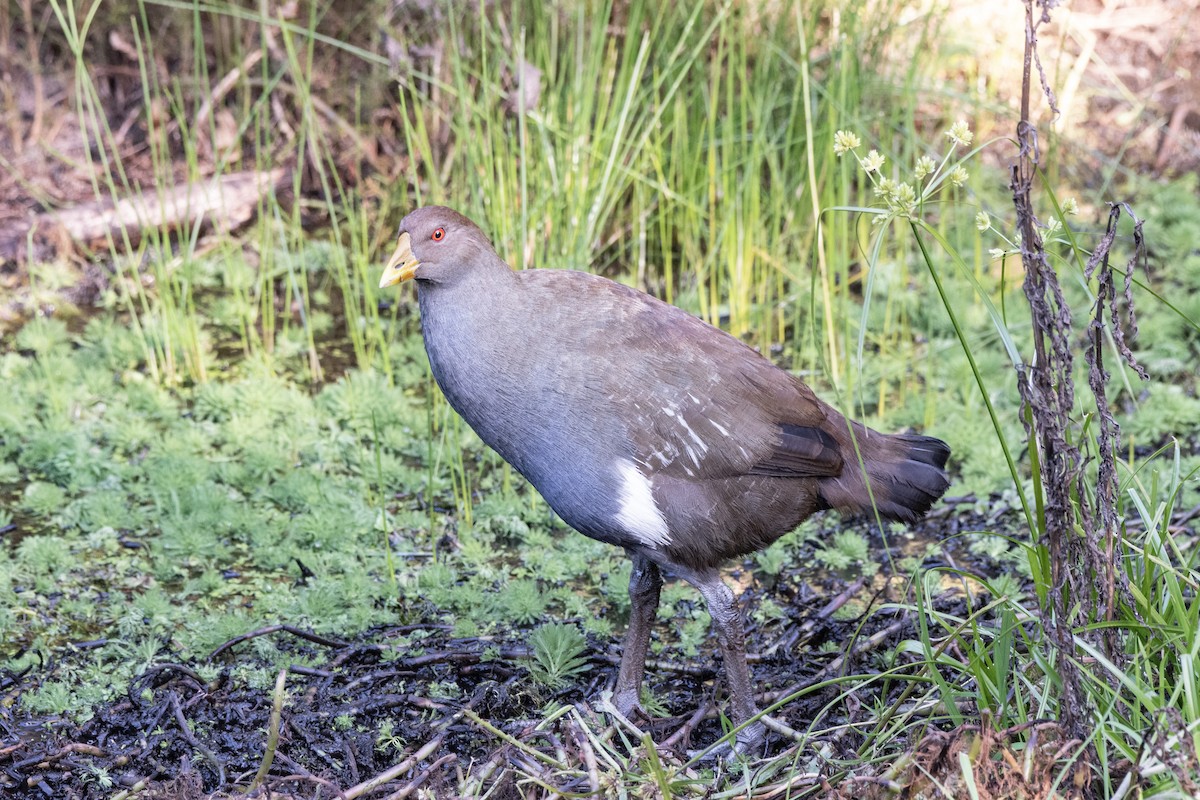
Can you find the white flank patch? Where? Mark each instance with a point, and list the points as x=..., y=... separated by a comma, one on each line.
x=638, y=514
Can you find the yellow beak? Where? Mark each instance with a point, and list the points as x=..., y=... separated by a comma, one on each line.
x=402, y=266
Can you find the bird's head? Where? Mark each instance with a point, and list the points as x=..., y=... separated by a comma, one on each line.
x=436, y=244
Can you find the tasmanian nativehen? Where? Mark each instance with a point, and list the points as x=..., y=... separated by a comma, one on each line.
x=645, y=427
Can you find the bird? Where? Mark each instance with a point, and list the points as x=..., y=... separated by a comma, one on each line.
x=645, y=427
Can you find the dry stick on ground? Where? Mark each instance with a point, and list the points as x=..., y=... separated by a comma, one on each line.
x=151, y=677
x=225, y=201
x=586, y=752
x=1047, y=392
x=219, y=91
x=870, y=643
x=418, y=781
x=300, y=773
x=191, y=739
x=293, y=630
x=684, y=732
x=420, y=755
x=806, y=627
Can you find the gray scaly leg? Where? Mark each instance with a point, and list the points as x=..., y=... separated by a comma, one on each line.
x=645, y=581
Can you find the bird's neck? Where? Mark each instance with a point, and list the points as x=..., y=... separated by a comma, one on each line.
x=468, y=321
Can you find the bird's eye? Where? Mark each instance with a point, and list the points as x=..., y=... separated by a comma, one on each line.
x=438, y=234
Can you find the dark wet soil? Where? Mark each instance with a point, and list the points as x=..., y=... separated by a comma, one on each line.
x=444, y=709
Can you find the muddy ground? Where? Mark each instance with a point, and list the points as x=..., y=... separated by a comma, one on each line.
x=370, y=716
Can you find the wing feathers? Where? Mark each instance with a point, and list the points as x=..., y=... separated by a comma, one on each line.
x=802, y=452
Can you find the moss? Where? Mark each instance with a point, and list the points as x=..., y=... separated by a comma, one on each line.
x=1168, y=412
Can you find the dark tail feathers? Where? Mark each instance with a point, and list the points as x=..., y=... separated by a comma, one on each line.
x=907, y=474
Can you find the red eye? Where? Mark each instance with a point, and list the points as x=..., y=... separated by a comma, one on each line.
x=438, y=234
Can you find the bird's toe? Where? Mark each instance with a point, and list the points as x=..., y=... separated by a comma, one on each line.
x=747, y=744
x=627, y=704
x=750, y=739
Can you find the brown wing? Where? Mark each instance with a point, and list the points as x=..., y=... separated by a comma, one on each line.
x=697, y=403
x=802, y=452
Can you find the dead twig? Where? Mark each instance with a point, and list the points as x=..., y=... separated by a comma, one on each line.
x=587, y=754
x=191, y=739
x=418, y=781
x=873, y=641
x=267, y=631
x=224, y=201
x=420, y=755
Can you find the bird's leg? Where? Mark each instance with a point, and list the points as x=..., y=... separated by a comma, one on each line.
x=645, y=581
x=731, y=636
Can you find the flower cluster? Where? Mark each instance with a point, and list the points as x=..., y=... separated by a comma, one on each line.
x=903, y=198
x=959, y=134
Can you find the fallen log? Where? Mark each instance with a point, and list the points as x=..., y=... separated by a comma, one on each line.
x=223, y=202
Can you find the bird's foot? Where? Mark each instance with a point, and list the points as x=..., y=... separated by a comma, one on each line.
x=747, y=743
x=627, y=703
x=626, y=708
x=749, y=740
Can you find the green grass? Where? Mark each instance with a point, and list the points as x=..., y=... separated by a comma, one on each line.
x=143, y=509
x=243, y=402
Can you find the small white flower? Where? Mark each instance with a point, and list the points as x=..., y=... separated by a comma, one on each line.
x=873, y=162
x=1053, y=226
x=844, y=142
x=885, y=188
x=925, y=166
x=983, y=221
x=996, y=253
x=903, y=199
x=1070, y=206
x=958, y=176
x=960, y=134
